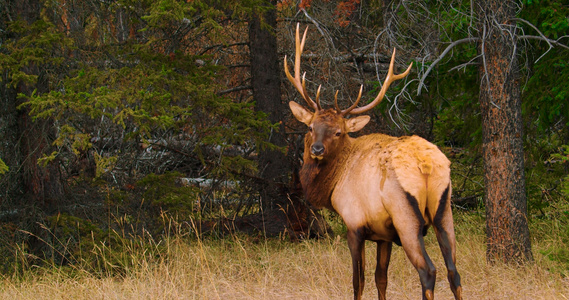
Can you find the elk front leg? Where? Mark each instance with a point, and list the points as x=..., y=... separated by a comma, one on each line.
x=356, y=243
x=383, y=257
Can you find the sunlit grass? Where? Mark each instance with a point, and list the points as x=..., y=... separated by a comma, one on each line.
x=242, y=267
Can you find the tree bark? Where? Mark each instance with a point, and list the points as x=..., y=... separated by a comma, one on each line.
x=11, y=181
x=265, y=80
x=507, y=230
x=26, y=140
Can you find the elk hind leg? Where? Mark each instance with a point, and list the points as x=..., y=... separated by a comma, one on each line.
x=383, y=257
x=444, y=229
x=415, y=250
x=410, y=225
x=356, y=243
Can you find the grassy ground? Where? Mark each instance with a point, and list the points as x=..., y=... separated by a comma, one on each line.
x=242, y=267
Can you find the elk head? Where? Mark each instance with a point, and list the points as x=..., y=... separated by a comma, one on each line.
x=328, y=128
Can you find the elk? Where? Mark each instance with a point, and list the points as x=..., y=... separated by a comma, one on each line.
x=386, y=189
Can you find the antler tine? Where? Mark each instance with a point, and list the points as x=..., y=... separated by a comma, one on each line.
x=336, y=102
x=318, y=107
x=388, y=80
x=317, y=94
x=300, y=86
x=349, y=109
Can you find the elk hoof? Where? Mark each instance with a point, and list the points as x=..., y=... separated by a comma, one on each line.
x=458, y=295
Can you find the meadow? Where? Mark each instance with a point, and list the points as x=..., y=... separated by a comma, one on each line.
x=184, y=266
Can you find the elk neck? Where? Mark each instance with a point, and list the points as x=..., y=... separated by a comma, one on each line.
x=319, y=177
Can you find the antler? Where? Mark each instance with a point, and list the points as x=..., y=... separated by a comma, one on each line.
x=352, y=110
x=301, y=86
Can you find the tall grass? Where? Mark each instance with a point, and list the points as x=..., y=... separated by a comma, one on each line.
x=184, y=266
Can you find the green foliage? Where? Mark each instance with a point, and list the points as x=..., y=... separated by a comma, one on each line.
x=448, y=103
x=467, y=176
x=550, y=16
x=80, y=236
x=544, y=102
x=3, y=167
x=551, y=228
x=162, y=14
x=130, y=91
x=451, y=94
x=38, y=45
x=456, y=21
x=143, y=205
x=154, y=87
x=563, y=158
x=165, y=193
x=458, y=124
x=131, y=221
x=546, y=92
x=114, y=100
x=104, y=164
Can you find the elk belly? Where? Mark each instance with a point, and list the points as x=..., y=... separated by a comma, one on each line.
x=377, y=223
x=382, y=230
x=378, y=211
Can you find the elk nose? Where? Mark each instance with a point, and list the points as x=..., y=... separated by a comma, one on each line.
x=317, y=149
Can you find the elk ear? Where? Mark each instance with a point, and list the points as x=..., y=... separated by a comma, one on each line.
x=357, y=123
x=300, y=113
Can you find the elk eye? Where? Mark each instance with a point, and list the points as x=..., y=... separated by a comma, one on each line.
x=338, y=133
x=310, y=128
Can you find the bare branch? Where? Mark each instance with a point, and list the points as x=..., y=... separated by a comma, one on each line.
x=549, y=41
x=222, y=46
x=445, y=52
x=534, y=28
x=324, y=34
x=541, y=37
x=235, y=89
x=464, y=65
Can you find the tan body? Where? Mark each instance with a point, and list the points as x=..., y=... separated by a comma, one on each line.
x=376, y=173
x=386, y=189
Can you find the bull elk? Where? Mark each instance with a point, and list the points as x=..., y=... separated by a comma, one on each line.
x=386, y=189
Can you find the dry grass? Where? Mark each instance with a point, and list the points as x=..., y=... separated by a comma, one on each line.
x=244, y=268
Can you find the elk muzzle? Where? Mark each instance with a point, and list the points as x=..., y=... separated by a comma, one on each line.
x=317, y=150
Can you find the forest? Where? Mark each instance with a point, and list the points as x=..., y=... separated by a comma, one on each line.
x=148, y=141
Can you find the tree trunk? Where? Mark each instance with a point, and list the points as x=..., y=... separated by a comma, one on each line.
x=42, y=184
x=265, y=80
x=507, y=230
x=11, y=181
x=26, y=140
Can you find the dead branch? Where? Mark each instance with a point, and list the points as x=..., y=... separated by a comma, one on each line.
x=445, y=52
x=235, y=89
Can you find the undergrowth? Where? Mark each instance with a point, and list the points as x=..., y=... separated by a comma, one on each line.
x=184, y=265
x=143, y=243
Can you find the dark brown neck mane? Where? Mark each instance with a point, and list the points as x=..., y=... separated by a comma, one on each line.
x=319, y=177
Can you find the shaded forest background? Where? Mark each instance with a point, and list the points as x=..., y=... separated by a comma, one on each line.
x=137, y=115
